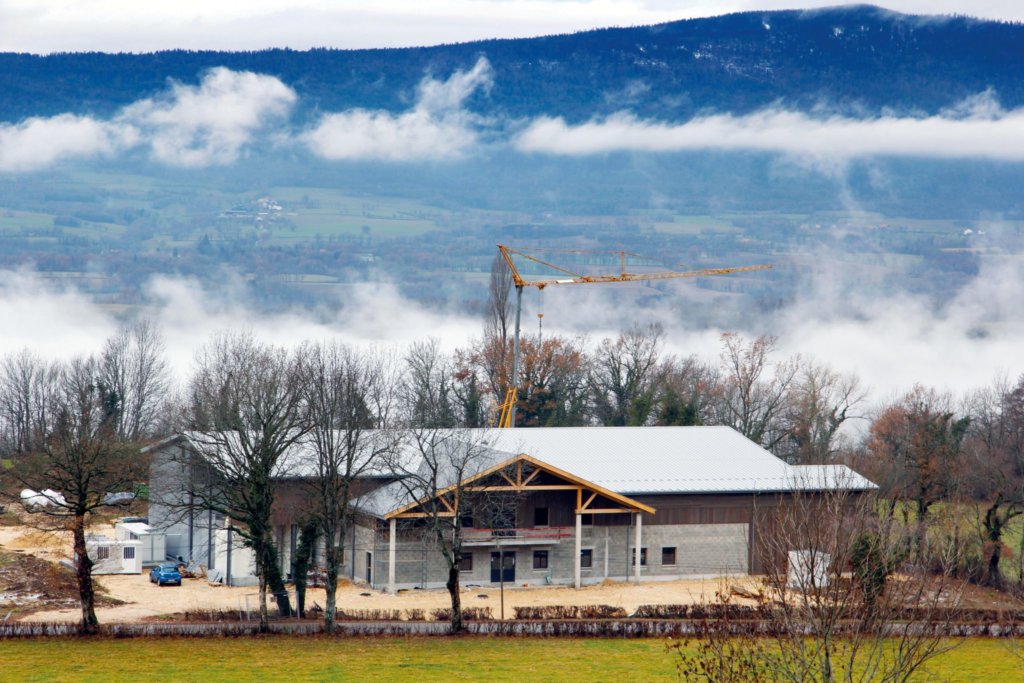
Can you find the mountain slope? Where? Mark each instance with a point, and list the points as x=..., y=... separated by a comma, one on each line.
x=857, y=58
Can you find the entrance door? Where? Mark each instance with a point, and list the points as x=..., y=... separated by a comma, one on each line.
x=503, y=566
x=369, y=568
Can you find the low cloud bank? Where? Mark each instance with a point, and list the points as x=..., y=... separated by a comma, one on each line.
x=228, y=112
x=890, y=340
x=437, y=127
x=978, y=127
x=187, y=126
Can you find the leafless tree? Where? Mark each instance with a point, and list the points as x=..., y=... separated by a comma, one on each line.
x=244, y=415
x=499, y=302
x=433, y=468
x=754, y=389
x=842, y=600
x=623, y=378
x=819, y=402
x=133, y=366
x=25, y=383
x=348, y=401
x=76, y=453
x=994, y=467
x=429, y=394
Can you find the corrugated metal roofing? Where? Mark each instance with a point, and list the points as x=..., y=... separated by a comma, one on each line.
x=638, y=460
x=628, y=460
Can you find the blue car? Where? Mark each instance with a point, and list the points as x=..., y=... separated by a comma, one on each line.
x=165, y=574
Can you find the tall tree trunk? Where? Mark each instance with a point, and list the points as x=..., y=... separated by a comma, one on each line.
x=275, y=582
x=1020, y=578
x=453, y=591
x=921, y=540
x=308, y=536
x=264, y=616
x=333, y=563
x=83, y=573
x=271, y=580
x=994, y=536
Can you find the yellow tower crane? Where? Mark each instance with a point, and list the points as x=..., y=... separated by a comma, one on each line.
x=507, y=417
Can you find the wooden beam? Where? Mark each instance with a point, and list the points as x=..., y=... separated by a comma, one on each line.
x=604, y=511
x=542, y=487
x=531, y=477
x=421, y=515
x=519, y=473
x=506, y=478
x=579, y=497
x=589, y=501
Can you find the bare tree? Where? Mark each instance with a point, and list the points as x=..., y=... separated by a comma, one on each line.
x=623, y=378
x=76, y=459
x=25, y=383
x=841, y=599
x=244, y=415
x=429, y=395
x=754, y=389
x=349, y=400
x=133, y=366
x=433, y=469
x=499, y=301
x=994, y=467
x=820, y=401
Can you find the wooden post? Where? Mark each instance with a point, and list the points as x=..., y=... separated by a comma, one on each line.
x=579, y=548
x=636, y=549
x=392, y=524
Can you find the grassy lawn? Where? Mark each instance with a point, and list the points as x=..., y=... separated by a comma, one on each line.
x=399, y=659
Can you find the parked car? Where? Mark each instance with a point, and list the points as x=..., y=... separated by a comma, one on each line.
x=164, y=574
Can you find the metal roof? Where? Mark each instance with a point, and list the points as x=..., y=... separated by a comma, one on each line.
x=627, y=460
x=652, y=460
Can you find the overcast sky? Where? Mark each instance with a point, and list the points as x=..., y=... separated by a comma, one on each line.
x=44, y=26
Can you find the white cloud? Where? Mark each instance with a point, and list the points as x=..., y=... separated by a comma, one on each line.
x=437, y=127
x=209, y=123
x=60, y=322
x=891, y=340
x=979, y=128
x=36, y=143
x=189, y=126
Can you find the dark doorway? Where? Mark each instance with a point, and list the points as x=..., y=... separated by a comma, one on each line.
x=503, y=566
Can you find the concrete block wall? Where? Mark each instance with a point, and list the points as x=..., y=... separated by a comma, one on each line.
x=701, y=550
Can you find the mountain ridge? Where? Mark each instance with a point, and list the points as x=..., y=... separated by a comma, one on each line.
x=858, y=58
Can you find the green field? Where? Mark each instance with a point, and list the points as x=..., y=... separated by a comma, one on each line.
x=400, y=659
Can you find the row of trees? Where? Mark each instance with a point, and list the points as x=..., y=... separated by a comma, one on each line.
x=76, y=426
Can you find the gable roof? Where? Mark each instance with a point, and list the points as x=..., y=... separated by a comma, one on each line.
x=544, y=467
x=660, y=460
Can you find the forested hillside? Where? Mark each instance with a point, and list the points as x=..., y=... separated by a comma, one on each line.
x=857, y=57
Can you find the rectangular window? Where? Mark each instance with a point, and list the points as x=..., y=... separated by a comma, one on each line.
x=643, y=557
x=466, y=562
x=668, y=556
x=587, y=558
x=102, y=552
x=466, y=520
x=587, y=520
x=129, y=553
x=540, y=517
x=540, y=559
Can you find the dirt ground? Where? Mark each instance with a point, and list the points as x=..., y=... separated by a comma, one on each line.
x=143, y=601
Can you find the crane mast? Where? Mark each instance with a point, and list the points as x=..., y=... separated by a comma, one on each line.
x=507, y=417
